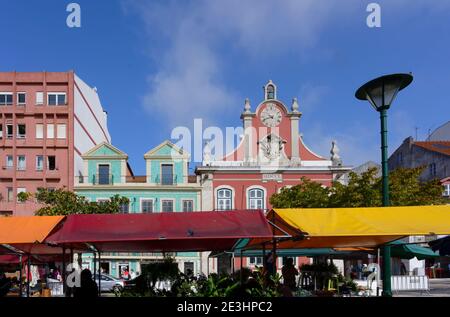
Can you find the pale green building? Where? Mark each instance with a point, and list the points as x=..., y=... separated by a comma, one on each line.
x=166, y=187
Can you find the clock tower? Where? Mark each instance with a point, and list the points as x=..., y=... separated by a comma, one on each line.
x=272, y=131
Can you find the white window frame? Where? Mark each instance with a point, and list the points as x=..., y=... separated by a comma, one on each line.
x=9, y=136
x=19, y=168
x=9, y=192
x=255, y=261
x=217, y=196
x=21, y=136
x=9, y=166
x=447, y=190
x=186, y=200
x=17, y=96
x=168, y=199
x=52, y=130
x=57, y=94
x=48, y=163
x=42, y=165
x=41, y=136
x=141, y=204
x=264, y=195
x=58, y=134
x=9, y=94
x=39, y=98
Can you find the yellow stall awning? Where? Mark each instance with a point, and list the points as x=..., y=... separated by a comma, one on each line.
x=357, y=227
x=27, y=229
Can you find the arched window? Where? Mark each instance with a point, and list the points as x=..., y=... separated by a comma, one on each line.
x=256, y=198
x=270, y=92
x=224, y=199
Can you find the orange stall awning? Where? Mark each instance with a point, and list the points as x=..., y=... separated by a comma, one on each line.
x=26, y=233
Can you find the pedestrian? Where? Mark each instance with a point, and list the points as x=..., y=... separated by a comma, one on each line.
x=289, y=273
x=88, y=287
x=402, y=269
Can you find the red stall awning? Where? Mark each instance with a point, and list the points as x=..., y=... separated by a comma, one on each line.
x=162, y=232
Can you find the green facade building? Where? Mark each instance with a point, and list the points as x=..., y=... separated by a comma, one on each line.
x=166, y=187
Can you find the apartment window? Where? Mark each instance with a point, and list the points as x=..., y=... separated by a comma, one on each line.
x=9, y=162
x=188, y=205
x=447, y=190
x=10, y=194
x=432, y=169
x=9, y=131
x=167, y=174
x=56, y=99
x=167, y=205
x=20, y=190
x=256, y=198
x=39, y=98
x=147, y=205
x=21, y=98
x=6, y=98
x=124, y=208
x=255, y=260
x=224, y=197
x=1, y=131
x=39, y=162
x=39, y=131
x=103, y=174
x=21, y=163
x=61, y=131
x=50, y=131
x=51, y=162
x=21, y=131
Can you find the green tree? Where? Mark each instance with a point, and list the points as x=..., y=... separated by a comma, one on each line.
x=363, y=190
x=307, y=194
x=63, y=202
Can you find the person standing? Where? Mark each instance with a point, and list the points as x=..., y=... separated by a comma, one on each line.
x=289, y=273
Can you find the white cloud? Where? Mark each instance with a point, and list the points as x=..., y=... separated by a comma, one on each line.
x=188, y=81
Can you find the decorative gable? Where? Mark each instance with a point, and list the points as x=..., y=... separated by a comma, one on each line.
x=166, y=150
x=104, y=150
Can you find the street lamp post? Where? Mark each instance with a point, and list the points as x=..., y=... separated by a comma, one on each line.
x=380, y=92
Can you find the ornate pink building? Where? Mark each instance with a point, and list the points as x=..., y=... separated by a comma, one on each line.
x=271, y=155
x=47, y=120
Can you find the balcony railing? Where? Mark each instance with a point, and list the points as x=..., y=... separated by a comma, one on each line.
x=111, y=179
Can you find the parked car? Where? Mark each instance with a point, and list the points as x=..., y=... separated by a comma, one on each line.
x=109, y=283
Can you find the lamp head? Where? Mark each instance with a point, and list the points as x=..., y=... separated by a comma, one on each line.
x=381, y=91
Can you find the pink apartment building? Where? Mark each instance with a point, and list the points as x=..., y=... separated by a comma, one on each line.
x=47, y=120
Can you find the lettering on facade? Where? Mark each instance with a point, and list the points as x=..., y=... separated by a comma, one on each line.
x=272, y=177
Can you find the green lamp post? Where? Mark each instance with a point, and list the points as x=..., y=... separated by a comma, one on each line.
x=381, y=92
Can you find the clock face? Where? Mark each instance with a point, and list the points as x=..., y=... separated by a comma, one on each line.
x=271, y=115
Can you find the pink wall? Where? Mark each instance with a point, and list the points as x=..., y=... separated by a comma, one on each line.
x=241, y=182
x=30, y=115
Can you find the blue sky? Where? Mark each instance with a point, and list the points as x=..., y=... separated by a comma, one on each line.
x=160, y=64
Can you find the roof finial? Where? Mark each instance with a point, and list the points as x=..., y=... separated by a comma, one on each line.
x=335, y=158
x=294, y=105
x=247, y=105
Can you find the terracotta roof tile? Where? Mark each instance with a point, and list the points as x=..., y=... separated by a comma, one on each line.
x=442, y=147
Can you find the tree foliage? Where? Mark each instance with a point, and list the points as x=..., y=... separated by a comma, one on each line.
x=363, y=190
x=63, y=202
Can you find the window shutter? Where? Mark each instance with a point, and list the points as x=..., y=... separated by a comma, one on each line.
x=39, y=98
x=61, y=131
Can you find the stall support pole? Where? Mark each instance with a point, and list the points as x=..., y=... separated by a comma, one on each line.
x=63, y=269
x=95, y=268
x=241, y=275
x=232, y=260
x=28, y=276
x=20, y=276
x=99, y=274
x=274, y=245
